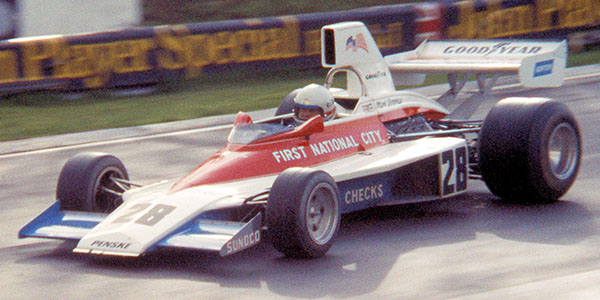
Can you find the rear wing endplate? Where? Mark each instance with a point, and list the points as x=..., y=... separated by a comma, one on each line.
x=537, y=63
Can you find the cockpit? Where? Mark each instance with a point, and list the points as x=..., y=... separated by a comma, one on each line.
x=246, y=133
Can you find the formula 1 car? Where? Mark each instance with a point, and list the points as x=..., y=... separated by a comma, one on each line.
x=388, y=147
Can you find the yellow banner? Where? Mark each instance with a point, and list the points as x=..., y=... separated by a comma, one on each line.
x=496, y=18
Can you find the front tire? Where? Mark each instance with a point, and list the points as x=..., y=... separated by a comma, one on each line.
x=530, y=150
x=303, y=213
x=86, y=183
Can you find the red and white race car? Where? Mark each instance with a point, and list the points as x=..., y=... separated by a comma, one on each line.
x=387, y=147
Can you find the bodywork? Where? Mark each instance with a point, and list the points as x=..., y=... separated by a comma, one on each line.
x=382, y=151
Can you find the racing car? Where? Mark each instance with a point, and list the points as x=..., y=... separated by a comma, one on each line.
x=387, y=147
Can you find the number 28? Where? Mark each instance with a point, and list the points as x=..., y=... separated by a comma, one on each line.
x=153, y=216
x=454, y=171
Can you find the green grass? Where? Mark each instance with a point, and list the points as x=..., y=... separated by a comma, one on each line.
x=47, y=113
x=583, y=58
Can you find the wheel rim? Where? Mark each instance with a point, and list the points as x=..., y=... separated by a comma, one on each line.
x=322, y=213
x=563, y=151
x=107, y=192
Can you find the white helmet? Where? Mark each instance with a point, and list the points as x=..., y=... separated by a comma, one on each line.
x=314, y=96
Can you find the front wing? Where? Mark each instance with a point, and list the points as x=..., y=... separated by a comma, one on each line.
x=224, y=237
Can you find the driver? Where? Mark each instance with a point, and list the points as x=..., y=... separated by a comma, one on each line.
x=313, y=100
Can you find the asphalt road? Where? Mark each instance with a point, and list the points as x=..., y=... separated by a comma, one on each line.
x=467, y=247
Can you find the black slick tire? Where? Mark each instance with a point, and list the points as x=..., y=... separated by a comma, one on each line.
x=81, y=181
x=303, y=213
x=529, y=150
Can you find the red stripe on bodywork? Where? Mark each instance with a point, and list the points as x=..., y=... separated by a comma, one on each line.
x=273, y=156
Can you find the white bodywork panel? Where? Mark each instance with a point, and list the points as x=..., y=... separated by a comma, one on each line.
x=149, y=215
x=354, y=46
x=537, y=63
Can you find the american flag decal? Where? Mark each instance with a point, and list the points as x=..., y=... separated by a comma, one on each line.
x=357, y=43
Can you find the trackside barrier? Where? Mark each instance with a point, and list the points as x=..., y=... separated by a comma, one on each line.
x=519, y=18
x=145, y=56
x=148, y=55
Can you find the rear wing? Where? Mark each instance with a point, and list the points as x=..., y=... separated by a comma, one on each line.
x=350, y=46
x=537, y=63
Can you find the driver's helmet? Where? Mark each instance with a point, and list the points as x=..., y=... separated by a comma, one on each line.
x=316, y=97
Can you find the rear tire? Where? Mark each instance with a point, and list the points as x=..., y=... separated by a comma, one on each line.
x=303, y=213
x=82, y=181
x=529, y=150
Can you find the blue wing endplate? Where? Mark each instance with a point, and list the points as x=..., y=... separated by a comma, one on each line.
x=56, y=224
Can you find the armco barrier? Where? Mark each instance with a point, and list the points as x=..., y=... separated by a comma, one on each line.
x=518, y=18
x=145, y=56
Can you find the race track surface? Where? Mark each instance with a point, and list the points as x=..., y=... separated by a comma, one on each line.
x=467, y=247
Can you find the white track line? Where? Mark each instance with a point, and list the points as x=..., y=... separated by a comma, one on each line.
x=116, y=141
